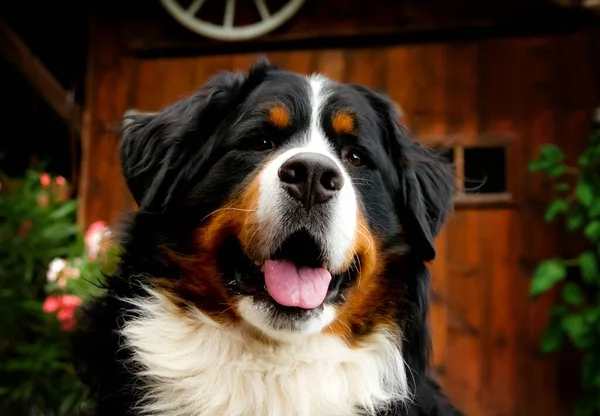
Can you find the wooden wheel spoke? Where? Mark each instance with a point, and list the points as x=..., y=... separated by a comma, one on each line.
x=190, y=16
x=229, y=14
x=262, y=9
x=195, y=7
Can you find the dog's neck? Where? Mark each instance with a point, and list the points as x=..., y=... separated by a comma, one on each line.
x=193, y=366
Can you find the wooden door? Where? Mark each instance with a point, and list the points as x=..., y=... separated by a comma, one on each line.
x=490, y=100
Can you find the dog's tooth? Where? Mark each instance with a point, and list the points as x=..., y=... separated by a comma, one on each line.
x=257, y=263
x=324, y=265
x=262, y=268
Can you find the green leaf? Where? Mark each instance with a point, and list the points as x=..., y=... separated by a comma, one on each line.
x=67, y=208
x=578, y=330
x=594, y=210
x=592, y=230
x=585, y=193
x=537, y=165
x=555, y=171
x=588, y=267
x=546, y=276
x=549, y=160
x=572, y=294
x=562, y=186
x=553, y=338
x=557, y=206
x=551, y=153
x=574, y=221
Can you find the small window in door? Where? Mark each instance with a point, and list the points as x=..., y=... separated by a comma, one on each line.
x=481, y=168
x=485, y=170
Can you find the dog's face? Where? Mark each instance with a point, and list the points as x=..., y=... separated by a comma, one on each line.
x=282, y=201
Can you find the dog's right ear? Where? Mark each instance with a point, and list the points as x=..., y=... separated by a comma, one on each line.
x=156, y=146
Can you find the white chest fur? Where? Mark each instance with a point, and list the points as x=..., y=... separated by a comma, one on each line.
x=196, y=368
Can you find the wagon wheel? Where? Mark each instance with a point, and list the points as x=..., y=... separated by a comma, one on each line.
x=228, y=31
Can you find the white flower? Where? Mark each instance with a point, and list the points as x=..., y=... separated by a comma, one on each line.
x=55, y=268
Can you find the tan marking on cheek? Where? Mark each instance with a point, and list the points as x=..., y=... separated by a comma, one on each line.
x=201, y=283
x=279, y=116
x=343, y=123
x=366, y=306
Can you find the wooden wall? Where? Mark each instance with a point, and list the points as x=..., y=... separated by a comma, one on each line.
x=534, y=90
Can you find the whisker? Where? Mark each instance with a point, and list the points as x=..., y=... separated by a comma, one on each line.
x=367, y=238
x=227, y=209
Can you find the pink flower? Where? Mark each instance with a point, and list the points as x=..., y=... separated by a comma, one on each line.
x=65, y=305
x=60, y=181
x=45, y=180
x=71, y=301
x=68, y=324
x=93, y=238
x=65, y=314
x=51, y=304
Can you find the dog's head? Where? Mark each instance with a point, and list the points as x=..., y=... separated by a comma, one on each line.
x=289, y=204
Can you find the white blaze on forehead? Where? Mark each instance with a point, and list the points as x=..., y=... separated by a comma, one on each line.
x=339, y=230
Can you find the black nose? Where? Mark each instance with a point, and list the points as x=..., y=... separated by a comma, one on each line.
x=311, y=178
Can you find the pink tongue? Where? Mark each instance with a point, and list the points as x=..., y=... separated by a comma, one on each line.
x=303, y=287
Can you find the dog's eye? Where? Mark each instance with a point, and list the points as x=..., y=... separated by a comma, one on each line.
x=260, y=144
x=354, y=157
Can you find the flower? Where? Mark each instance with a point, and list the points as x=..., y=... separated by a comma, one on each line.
x=65, y=306
x=51, y=304
x=61, y=189
x=45, y=180
x=60, y=181
x=55, y=268
x=71, y=301
x=94, y=235
x=68, y=324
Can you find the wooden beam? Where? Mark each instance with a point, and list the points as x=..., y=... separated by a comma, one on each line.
x=15, y=51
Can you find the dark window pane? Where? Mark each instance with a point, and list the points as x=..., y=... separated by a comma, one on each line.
x=485, y=170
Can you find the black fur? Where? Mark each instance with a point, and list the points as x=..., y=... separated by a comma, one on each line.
x=192, y=157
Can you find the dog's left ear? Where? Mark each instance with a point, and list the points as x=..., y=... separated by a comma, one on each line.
x=425, y=182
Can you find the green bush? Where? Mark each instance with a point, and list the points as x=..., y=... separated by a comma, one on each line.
x=576, y=317
x=45, y=271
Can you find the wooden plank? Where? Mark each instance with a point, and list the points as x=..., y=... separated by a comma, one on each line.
x=499, y=340
x=439, y=307
x=463, y=350
x=15, y=51
x=366, y=67
x=300, y=61
x=331, y=64
x=103, y=191
x=466, y=269
x=537, y=378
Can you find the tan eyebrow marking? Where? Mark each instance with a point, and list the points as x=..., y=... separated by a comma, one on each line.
x=343, y=123
x=279, y=116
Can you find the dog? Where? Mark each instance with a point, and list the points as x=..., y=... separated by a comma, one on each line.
x=277, y=261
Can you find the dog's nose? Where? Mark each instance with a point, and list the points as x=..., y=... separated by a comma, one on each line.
x=311, y=178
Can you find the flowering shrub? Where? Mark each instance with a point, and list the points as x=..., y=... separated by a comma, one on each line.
x=47, y=268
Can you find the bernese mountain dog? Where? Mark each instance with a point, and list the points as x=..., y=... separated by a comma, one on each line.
x=276, y=264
